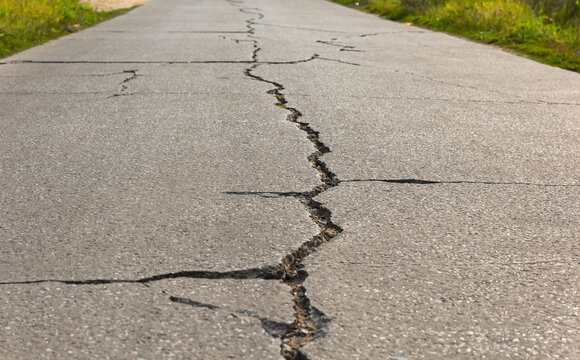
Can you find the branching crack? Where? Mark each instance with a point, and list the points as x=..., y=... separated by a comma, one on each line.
x=304, y=328
x=340, y=46
x=309, y=321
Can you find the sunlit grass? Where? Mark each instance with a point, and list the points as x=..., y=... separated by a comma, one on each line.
x=25, y=23
x=546, y=30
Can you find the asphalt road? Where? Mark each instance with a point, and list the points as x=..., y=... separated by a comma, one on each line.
x=262, y=179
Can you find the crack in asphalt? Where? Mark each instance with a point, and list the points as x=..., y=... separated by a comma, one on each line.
x=434, y=182
x=462, y=86
x=427, y=98
x=205, y=32
x=382, y=33
x=104, y=74
x=340, y=46
x=178, y=62
x=123, y=85
x=162, y=62
x=265, y=273
x=304, y=28
x=350, y=34
x=155, y=92
x=54, y=92
x=515, y=102
x=309, y=321
x=176, y=31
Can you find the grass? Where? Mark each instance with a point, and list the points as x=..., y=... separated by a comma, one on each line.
x=27, y=23
x=545, y=30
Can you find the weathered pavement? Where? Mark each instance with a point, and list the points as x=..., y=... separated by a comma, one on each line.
x=245, y=179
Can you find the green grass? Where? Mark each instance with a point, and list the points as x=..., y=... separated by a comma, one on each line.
x=26, y=23
x=545, y=30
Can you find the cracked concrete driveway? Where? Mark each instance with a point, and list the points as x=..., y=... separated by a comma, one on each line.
x=257, y=179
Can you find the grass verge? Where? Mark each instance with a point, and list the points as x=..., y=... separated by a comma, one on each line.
x=545, y=30
x=27, y=23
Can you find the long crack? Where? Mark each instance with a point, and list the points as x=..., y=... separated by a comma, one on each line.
x=162, y=62
x=308, y=320
x=468, y=182
x=266, y=273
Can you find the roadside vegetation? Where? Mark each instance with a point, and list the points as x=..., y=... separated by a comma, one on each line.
x=545, y=30
x=26, y=23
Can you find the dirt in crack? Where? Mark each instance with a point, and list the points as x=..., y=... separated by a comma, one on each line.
x=308, y=321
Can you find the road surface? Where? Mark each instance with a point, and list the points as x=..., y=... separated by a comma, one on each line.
x=267, y=179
